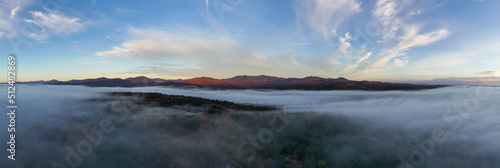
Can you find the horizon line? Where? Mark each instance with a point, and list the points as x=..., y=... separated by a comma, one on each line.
x=382, y=80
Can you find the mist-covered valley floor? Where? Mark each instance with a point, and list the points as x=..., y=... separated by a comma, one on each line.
x=63, y=126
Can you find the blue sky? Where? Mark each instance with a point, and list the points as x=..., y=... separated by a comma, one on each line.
x=374, y=40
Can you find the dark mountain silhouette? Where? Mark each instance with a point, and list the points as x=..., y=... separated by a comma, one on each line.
x=245, y=82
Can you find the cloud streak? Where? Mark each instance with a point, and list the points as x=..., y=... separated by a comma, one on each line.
x=155, y=44
x=323, y=17
x=489, y=73
x=14, y=11
x=54, y=23
x=9, y=22
x=412, y=38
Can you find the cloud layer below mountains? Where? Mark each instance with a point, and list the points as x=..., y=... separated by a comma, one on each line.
x=446, y=127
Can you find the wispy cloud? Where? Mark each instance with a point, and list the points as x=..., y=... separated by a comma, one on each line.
x=54, y=23
x=192, y=49
x=14, y=11
x=398, y=33
x=397, y=36
x=386, y=12
x=366, y=56
x=489, y=73
x=156, y=44
x=42, y=24
x=399, y=62
x=412, y=38
x=9, y=13
x=323, y=17
x=344, y=44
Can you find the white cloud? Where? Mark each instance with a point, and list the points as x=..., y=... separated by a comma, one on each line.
x=397, y=36
x=382, y=63
x=490, y=73
x=40, y=25
x=344, y=44
x=399, y=62
x=38, y=35
x=386, y=11
x=56, y=22
x=116, y=52
x=9, y=12
x=206, y=4
x=193, y=48
x=366, y=56
x=324, y=16
x=154, y=44
x=412, y=38
x=393, y=14
x=14, y=11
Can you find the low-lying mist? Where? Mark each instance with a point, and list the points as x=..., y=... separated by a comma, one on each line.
x=57, y=126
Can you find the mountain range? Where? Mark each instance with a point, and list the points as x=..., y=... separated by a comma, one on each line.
x=245, y=82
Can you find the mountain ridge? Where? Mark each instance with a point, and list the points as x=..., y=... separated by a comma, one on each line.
x=244, y=82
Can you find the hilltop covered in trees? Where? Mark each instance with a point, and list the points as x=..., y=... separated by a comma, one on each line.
x=212, y=106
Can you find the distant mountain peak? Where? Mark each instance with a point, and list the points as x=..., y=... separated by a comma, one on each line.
x=138, y=77
x=204, y=81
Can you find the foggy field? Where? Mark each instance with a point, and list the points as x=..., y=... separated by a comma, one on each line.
x=59, y=126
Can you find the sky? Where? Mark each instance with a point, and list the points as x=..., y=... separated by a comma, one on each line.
x=384, y=40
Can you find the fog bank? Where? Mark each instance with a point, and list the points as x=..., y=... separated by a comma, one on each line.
x=446, y=127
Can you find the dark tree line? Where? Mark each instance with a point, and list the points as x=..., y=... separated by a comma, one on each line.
x=212, y=106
